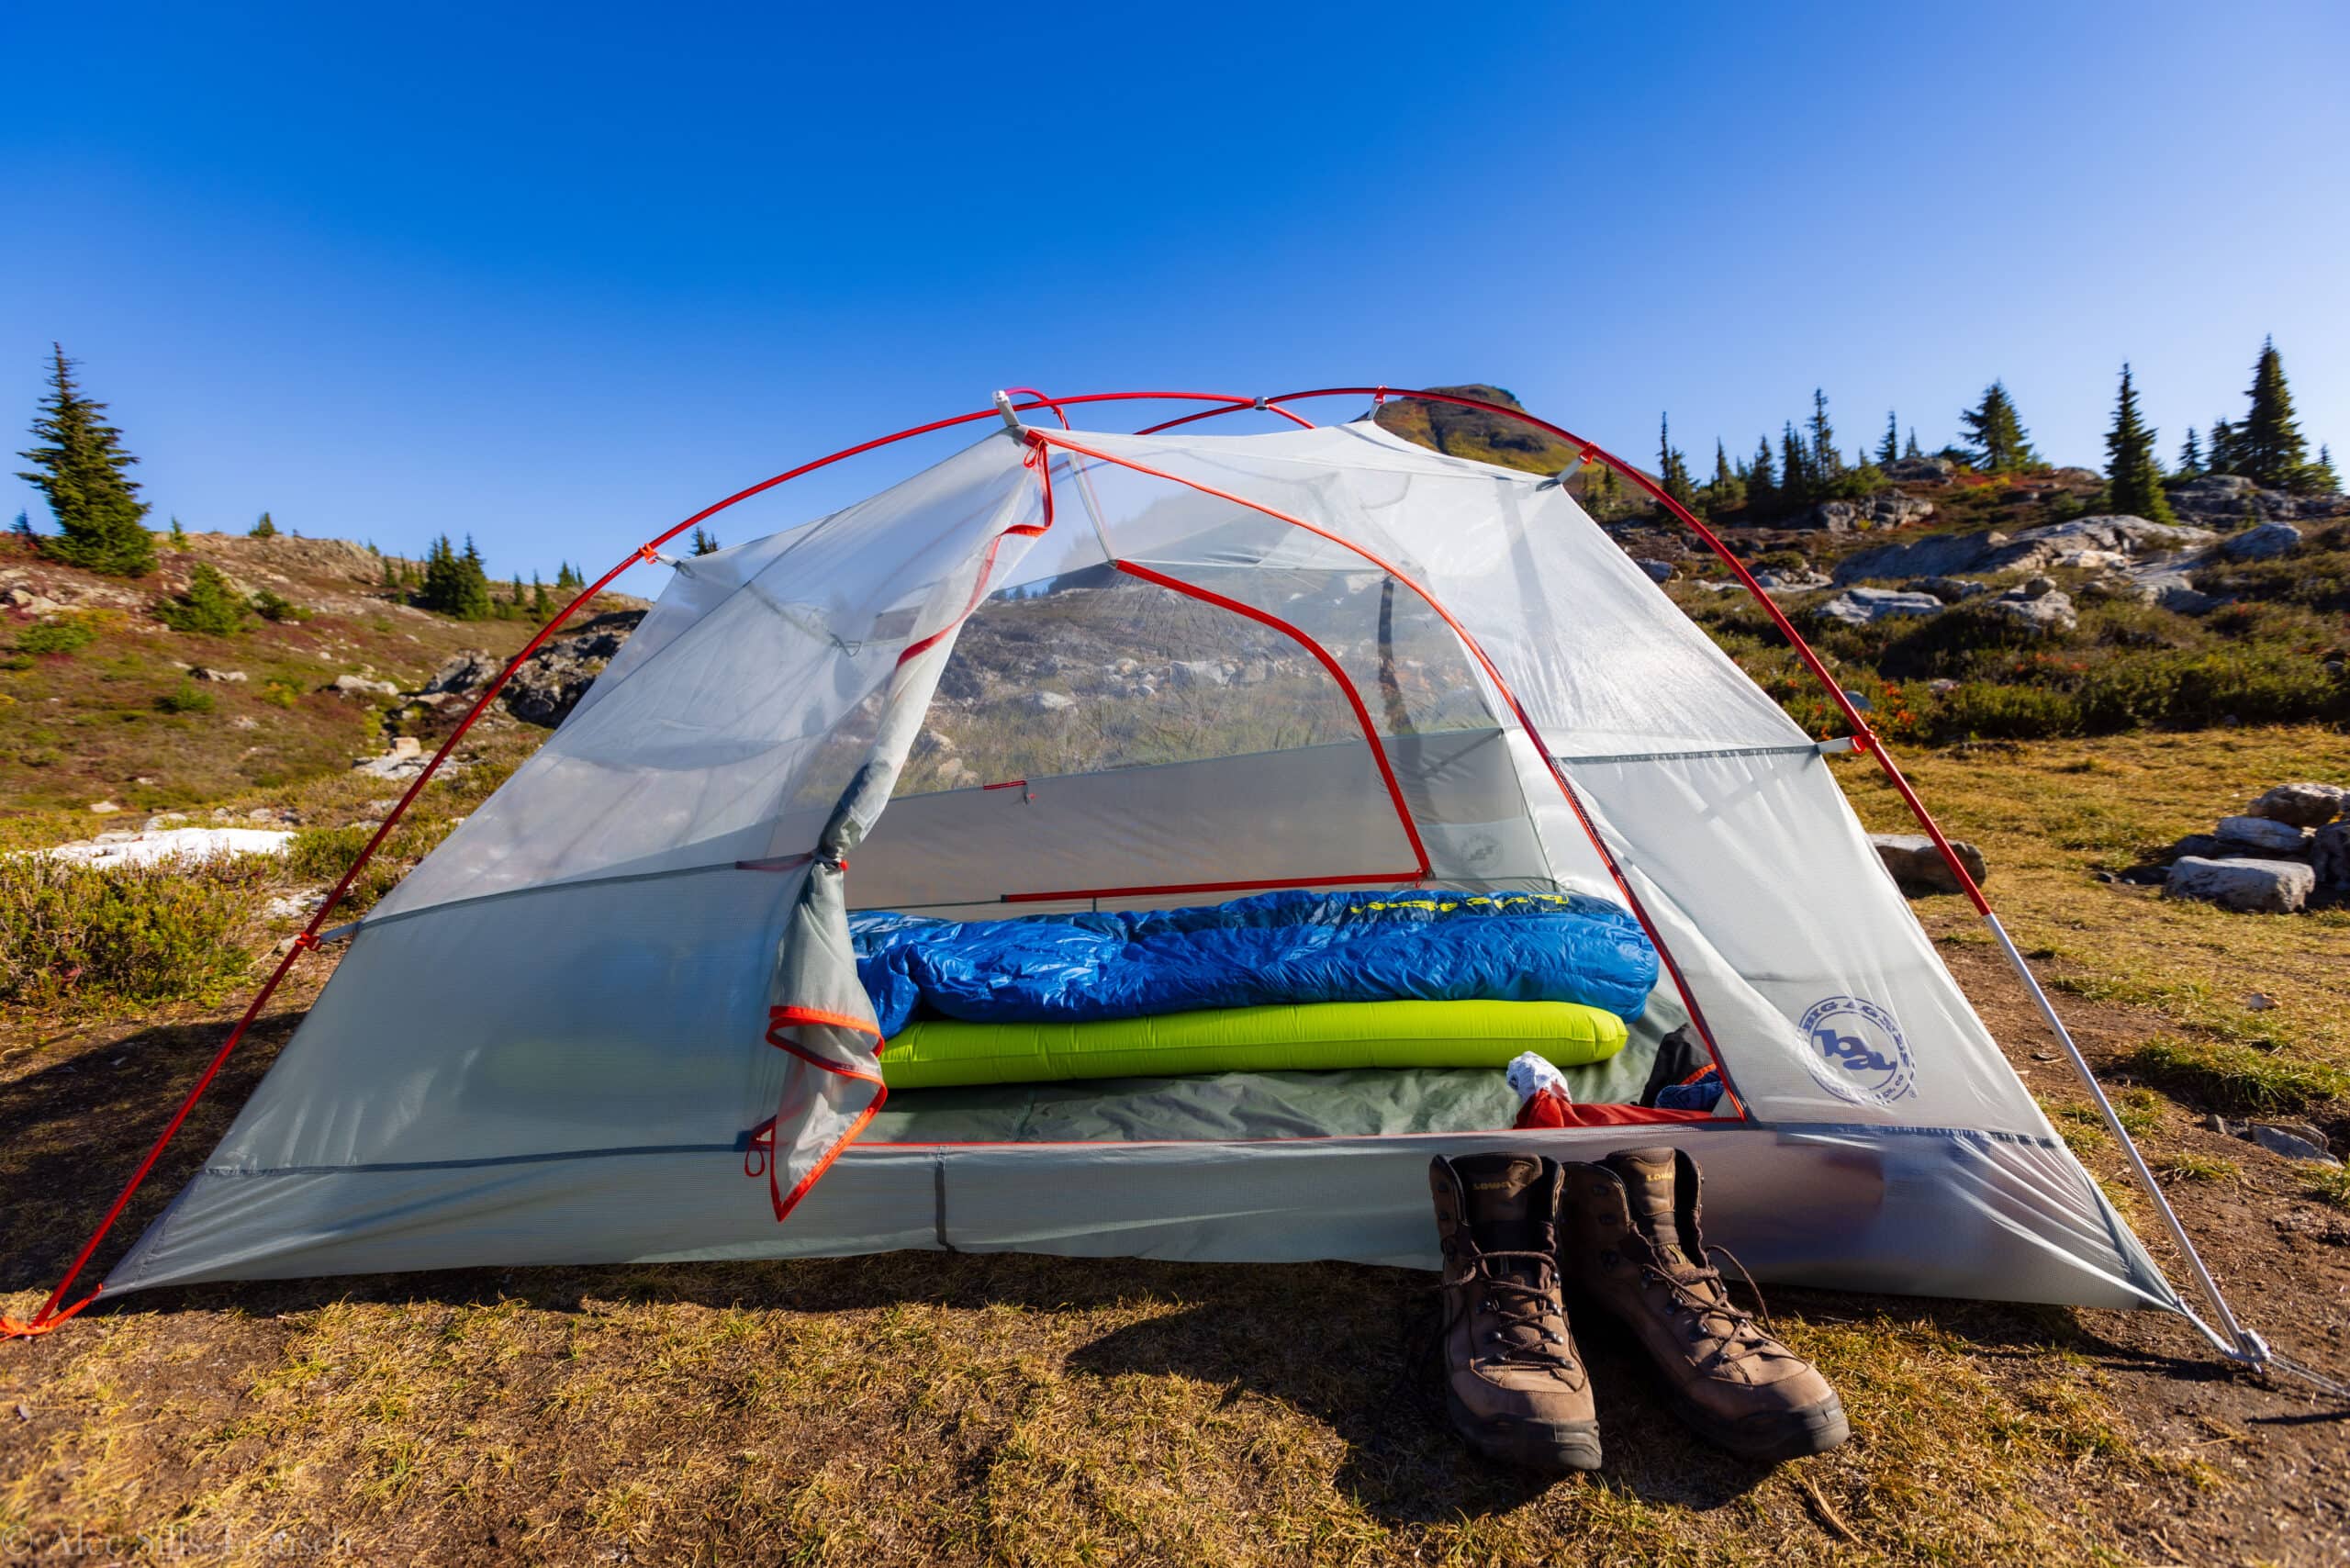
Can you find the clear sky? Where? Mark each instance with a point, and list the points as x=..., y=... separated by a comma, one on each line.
x=558, y=275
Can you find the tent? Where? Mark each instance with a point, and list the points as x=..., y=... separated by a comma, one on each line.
x=615, y=1016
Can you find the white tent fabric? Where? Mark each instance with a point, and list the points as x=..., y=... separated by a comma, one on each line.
x=558, y=1040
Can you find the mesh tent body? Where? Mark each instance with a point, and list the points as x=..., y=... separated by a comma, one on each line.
x=1103, y=670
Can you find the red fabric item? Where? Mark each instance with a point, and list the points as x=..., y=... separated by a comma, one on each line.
x=1621, y=1115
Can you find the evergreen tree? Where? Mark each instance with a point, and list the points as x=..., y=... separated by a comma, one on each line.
x=455, y=584
x=567, y=577
x=2222, y=456
x=1913, y=449
x=2190, y=455
x=23, y=530
x=2270, y=448
x=1798, y=485
x=1999, y=445
x=1762, y=483
x=179, y=535
x=209, y=607
x=1673, y=468
x=84, y=470
x=264, y=529
x=1826, y=462
x=540, y=608
x=1727, y=492
x=1889, y=449
x=705, y=542
x=2323, y=480
x=2133, y=475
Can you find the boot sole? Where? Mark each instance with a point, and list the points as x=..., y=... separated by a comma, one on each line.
x=1770, y=1438
x=1532, y=1445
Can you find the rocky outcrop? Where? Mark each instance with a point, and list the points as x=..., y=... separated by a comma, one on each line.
x=2039, y=606
x=2083, y=540
x=1921, y=470
x=2227, y=500
x=553, y=680
x=1887, y=508
x=2261, y=544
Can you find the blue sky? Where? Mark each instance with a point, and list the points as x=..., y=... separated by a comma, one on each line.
x=558, y=275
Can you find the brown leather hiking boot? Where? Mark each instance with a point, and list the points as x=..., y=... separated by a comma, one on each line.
x=1631, y=1244
x=1512, y=1382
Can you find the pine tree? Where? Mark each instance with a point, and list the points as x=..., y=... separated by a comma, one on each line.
x=23, y=530
x=540, y=608
x=1826, y=462
x=567, y=577
x=454, y=584
x=2190, y=455
x=2133, y=475
x=1727, y=492
x=2000, y=443
x=1913, y=449
x=2323, y=480
x=705, y=542
x=1673, y=468
x=264, y=529
x=179, y=535
x=2270, y=446
x=84, y=470
x=1761, y=482
x=2223, y=456
x=1889, y=449
x=1798, y=485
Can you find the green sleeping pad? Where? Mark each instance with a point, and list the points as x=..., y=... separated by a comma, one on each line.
x=940, y=1053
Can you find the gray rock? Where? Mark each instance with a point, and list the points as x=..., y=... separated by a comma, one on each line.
x=1863, y=606
x=1658, y=571
x=199, y=672
x=1920, y=867
x=1887, y=508
x=2303, y=804
x=553, y=680
x=463, y=670
x=2251, y=886
x=1922, y=470
x=2260, y=544
x=1048, y=701
x=2047, y=612
x=2262, y=833
x=2206, y=845
x=1950, y=590
x=360, y=685
x=2330, y=854
x=1790, y=581
x=2044, y=546
x=2292, y=1141
x=1196, y=672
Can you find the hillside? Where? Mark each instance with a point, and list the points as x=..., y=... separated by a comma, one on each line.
x=101, y=703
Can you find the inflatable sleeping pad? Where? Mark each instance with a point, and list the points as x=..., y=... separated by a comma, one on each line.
x=942, y=1053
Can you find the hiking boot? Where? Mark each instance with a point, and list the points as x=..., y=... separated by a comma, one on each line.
x=1513, y=1383
x=1631, y=1245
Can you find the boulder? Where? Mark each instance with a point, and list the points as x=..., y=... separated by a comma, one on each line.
x=2330, y=854
x=1658, y=571
x=1864, y=606
x=1922, y=470
x=2270, y=539
x=2303, y=805
x=1190, y=673
x=1791, y=581
x=2045, y=613
x=200, y=672
x=360, y=685
x=1048, y=701
x=2251, y=886
x=2207, y=846
x=2292, y=1140
x=1887, y=508
x=2263, y=834
x=1920, y=867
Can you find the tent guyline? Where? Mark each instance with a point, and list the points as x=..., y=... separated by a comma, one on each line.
x=2230, y=1338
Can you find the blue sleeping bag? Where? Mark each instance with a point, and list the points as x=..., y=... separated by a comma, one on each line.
x=1280, y=947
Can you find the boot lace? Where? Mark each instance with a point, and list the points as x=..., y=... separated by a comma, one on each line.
x=1739, y=1335
x=1512, y=1303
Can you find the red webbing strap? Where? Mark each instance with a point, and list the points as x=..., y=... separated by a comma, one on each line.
x=1656, y=938
x=779, y=1020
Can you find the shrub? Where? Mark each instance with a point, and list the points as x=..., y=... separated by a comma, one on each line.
x=325, y=854
x=63, y=637
x=209, y=608
x=281, y=693
x=276, y=607
x=186, y=698
x=131, y=933
x=1978, y=710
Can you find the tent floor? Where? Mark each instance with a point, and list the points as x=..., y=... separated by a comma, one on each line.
x=1357, y=1102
